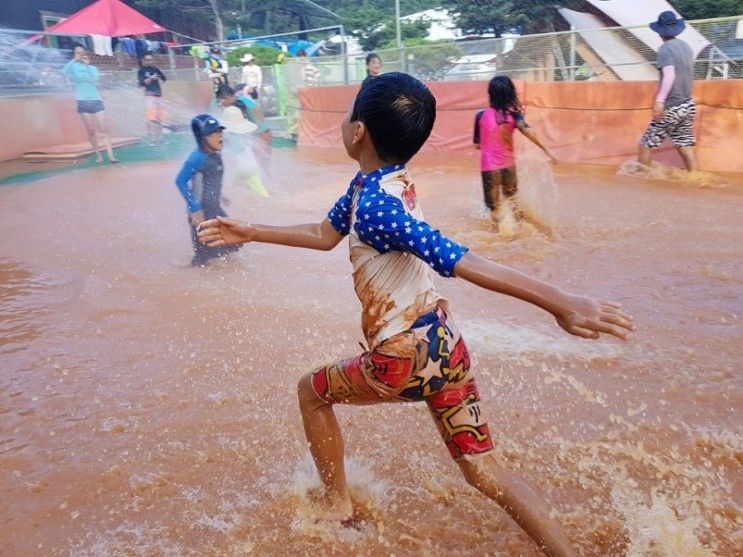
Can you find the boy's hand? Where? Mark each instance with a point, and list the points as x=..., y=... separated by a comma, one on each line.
x=586, y=317
x=658, y=107
x=197, y=218
x=223, y=231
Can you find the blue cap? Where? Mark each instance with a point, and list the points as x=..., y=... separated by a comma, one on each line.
x=203, y=125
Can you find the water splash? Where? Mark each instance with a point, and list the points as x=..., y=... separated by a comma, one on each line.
x=658, y=171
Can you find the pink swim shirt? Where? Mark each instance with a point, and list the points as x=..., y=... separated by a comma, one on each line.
x=494, y=133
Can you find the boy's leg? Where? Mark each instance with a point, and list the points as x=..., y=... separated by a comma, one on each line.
x=371, y=378
x=523, y=504
x=159, y=120
x=459, y=418
x=326, y=446
x=458, y=415
x=200, y=251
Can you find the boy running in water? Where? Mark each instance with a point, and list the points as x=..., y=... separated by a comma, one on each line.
x=416, y=352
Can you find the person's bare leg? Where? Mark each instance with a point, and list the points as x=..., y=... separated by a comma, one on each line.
x=644, y=156
x=90, y=128
x=326, y=445
x=100, y=118
x=520, y=501
x=689, y=156
x=158, y=131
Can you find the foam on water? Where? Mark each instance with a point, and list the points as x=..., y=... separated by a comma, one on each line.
x=512, y=341
x=655, y=530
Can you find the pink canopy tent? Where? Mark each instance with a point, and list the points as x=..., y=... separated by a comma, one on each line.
x=111, y=18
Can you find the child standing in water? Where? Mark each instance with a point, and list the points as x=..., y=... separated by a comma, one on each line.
x=238, y=151
x=200, y=183
x=84, y=77
x=493, y=136
x=416, y=352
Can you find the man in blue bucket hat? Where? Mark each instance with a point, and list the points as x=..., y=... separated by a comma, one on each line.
x=674, y=108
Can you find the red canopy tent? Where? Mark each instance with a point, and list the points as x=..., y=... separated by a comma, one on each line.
x=111, y=18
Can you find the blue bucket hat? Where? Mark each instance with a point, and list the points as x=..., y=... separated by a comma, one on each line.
x=667, y=24
x=203, y=125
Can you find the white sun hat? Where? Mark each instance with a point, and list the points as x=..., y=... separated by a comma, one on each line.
x=235, y=123
x=247, y=58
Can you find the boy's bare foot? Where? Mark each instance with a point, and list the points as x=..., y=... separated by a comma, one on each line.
x=331, y=509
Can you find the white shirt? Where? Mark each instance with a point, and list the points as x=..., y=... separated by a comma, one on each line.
x=252, y=76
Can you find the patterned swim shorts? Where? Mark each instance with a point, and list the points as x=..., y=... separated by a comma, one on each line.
x=676, y=122
x=427, y=362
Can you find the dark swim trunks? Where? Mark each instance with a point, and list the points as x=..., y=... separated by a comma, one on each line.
x=89, y=107
x=495, y=180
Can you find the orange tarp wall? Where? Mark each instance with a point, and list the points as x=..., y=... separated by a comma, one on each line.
x=34, y=122
x=591, y=122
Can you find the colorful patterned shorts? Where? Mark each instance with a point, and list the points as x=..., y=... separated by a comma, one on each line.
x=427, y=362
x=676, y=122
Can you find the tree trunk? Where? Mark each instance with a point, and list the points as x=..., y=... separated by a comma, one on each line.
x=218, y=23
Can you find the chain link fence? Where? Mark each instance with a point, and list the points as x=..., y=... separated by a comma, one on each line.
x=605, y=54
x=617, y=53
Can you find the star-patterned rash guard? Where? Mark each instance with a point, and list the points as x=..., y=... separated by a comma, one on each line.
x=391, y=248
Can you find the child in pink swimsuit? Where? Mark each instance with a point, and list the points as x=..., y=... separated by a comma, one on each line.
x=493, y=136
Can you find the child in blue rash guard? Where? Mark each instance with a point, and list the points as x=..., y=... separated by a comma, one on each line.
x=416, y=352
x=200, y=183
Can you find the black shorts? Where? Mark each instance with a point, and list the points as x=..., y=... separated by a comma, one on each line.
x=495, y=182
x=89, y=107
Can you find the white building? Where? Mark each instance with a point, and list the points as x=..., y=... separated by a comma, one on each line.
x=442, y=24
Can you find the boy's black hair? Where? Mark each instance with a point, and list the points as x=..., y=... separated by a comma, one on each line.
x=224, y=91
x=371, y=56
x=399, y=112
x=502, y=94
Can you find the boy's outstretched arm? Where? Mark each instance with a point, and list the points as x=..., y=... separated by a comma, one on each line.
x=578, y=315
x=224, y=231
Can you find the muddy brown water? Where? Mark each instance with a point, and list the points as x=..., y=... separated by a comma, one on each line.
x=147, y=408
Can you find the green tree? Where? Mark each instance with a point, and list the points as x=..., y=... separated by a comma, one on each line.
x=703, y=9
x=374, y=37
x=195, y=8
x=264, y=55
x=373, y=21
x=427, y=60
x=497, y=16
